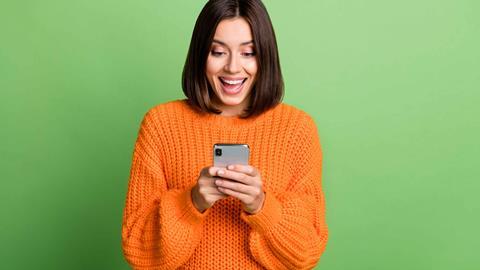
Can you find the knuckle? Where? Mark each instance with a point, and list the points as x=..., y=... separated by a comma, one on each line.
x=211, y=200
x=211, y=170
x=202, y=190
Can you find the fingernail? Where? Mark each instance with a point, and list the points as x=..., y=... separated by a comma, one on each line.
x=220, y=172
x=230, y=167
x=218, y=182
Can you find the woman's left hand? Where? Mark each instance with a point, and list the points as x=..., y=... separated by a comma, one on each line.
x=244, y=183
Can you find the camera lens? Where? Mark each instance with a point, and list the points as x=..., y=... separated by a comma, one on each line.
x=218, y=152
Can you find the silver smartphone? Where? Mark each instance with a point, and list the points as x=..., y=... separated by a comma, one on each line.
x=230, y=154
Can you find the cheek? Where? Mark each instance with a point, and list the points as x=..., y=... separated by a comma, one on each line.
x=214, y=66
x=251, y=67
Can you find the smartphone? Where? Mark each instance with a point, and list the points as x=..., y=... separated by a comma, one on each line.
x=230, y=154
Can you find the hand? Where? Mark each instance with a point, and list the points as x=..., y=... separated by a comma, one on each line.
x=205, y=192
x=246, y=186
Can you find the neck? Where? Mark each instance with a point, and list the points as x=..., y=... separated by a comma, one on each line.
x=232, y=110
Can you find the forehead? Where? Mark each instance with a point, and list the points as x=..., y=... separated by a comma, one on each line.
x=233, y=32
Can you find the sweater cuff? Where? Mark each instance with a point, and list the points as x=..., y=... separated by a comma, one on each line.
x=188, y=211
x=267, y=217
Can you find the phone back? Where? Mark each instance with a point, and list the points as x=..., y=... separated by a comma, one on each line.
x=228, y=154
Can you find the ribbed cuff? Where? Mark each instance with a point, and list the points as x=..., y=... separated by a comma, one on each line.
x=267, y=217
x=188, y=211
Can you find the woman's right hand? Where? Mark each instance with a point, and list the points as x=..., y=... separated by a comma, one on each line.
x=205, y=193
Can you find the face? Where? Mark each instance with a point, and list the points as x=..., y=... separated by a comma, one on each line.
x=232, y=65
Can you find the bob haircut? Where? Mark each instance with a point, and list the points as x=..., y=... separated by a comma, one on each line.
x=268, y=88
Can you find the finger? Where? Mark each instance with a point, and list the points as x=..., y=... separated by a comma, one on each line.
x=220, y=196
x=246, y=169
x=236, y=176
x=241, y=196
x=211, y=171
x=236, y=186
x=211, y=190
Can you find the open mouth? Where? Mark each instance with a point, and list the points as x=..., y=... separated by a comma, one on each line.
x=232, y=86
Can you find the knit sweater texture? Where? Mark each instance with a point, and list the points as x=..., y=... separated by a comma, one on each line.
x=161, y=227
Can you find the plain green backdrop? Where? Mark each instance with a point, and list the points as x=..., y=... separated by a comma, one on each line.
x=394, y=87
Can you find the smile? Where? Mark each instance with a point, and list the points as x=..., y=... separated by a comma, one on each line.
x=232, y=86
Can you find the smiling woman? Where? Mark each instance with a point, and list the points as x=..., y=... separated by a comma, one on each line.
x=232, y=66
x=182, y=212
x=233, y=41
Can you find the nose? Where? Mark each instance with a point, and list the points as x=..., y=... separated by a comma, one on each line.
x=233, y=65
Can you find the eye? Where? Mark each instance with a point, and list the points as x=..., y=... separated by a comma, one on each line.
x=217, y=53
x=249, y=54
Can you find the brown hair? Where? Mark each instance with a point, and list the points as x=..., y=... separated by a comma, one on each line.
x=268, y=88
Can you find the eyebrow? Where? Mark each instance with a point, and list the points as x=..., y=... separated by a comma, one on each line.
x=241, y=44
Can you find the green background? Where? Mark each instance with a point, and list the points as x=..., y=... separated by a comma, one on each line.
x=394, y=87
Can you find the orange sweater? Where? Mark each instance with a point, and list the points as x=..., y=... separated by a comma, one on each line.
x=163, y=230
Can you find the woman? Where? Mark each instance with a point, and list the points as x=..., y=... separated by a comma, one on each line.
x=180, y=211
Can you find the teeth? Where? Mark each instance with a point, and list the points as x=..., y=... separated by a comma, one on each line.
x=232, y=82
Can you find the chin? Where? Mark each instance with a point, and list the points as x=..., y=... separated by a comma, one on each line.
x=232, y=101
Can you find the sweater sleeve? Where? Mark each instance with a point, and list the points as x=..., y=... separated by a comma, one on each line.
x=161, y=227
x=290, y=231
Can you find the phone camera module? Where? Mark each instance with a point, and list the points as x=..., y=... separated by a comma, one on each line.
x=218, y=152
